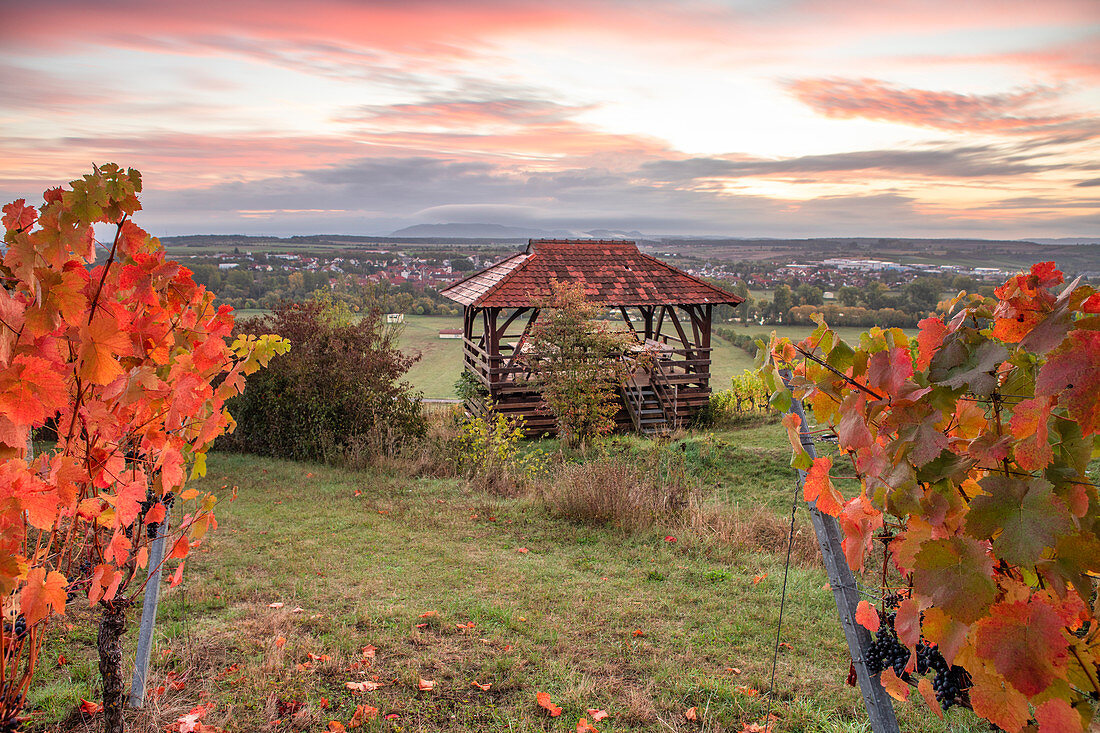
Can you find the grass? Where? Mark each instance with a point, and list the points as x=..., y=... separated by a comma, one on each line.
x=431, y=574
x=440, y=359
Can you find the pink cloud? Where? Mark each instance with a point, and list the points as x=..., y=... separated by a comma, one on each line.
x=1008, y=113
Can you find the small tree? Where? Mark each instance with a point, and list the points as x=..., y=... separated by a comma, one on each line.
x=127, y=361
x=579, y=364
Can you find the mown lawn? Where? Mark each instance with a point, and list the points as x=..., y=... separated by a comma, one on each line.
x=454, y=586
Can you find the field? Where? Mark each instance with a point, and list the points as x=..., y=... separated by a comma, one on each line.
x=441, y=359
x=455, y=586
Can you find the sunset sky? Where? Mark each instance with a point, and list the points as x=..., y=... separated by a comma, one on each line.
x=736, y=117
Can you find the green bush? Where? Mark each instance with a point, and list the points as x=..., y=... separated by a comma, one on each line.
x=337, y=392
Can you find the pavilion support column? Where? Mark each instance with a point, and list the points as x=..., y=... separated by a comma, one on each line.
x=647, y=318
x=492, y=343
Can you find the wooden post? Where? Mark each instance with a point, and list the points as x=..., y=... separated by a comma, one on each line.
x=880, y=709
x=148, y=616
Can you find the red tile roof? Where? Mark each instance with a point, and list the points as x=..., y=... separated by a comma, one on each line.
x=613, y=273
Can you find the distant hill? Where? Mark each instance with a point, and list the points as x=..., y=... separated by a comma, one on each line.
x=500, y=231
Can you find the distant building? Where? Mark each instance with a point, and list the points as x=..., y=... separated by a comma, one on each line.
x=450, y=333
x=395, y=318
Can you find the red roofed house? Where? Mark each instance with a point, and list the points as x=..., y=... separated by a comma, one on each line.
x=671, y=314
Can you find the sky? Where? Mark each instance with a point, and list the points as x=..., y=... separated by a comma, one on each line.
x=744, y=118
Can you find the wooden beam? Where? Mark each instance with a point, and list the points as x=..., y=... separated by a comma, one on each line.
x=660, y=323
x=516, y=314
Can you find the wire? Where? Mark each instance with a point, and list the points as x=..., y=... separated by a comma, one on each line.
x=782, y=605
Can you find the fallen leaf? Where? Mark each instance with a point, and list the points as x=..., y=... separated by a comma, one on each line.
x=365, y=686
x=324, y=702
x=757, y=578
x=639, y=633
x=61, y=660
x=280, y=642
x=735, y=670
x=336, y=725
x=297, y=609
x=747, y=691
x=429, y=614
x=584, y=727
x=187, y=723
x=523, y=550
x=691, y=714
x=597, y=714
x=670, y=538
x=368, y=652
x=276, y=604
x=422, y=626
x=426, y=685
x=786, y=646
x=392, y=716
x=483, y=688
x=309, y=475
x=362, y=713
x=543, y=699
x=357, y=493
x=89, y=708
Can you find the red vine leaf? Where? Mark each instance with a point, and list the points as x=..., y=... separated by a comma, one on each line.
x=1026, y=644
x=929, y=340
x=859, y=520
x=543, y=700
x=867, y=616
x=1029, y=426
x=924, y=687
x=945, y=632
x=1058, y=716
x=894, y=685
x=42, y=594
x=819, y=489
x=1072, y=373
x=998, y=702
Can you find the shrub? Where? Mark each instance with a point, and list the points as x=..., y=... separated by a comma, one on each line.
x=490, y=453
x=337, y=393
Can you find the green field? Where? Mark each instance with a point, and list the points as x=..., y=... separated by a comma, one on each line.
x=441, y=359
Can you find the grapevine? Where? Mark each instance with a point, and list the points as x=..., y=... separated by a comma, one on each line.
x=972, y=444
x=127, y=360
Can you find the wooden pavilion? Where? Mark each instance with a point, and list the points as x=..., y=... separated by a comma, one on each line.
x=668, y=311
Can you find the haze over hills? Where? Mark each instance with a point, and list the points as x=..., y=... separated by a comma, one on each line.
x=500, y=231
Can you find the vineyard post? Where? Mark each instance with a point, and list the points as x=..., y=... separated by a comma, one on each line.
x=879, y=707
x=148, y=616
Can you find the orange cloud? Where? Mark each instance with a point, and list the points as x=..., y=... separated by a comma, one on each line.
x=991, y=113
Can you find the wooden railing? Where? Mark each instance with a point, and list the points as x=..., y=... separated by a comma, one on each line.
x=504, y=368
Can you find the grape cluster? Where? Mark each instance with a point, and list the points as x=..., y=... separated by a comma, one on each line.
x=886, y=650
x=951, y=682
x=19, y=629
x=152, y=528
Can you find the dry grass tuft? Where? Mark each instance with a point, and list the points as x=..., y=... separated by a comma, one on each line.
x=612, y=491
x=753, y=530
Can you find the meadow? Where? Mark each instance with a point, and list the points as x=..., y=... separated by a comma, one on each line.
x=318, y=577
